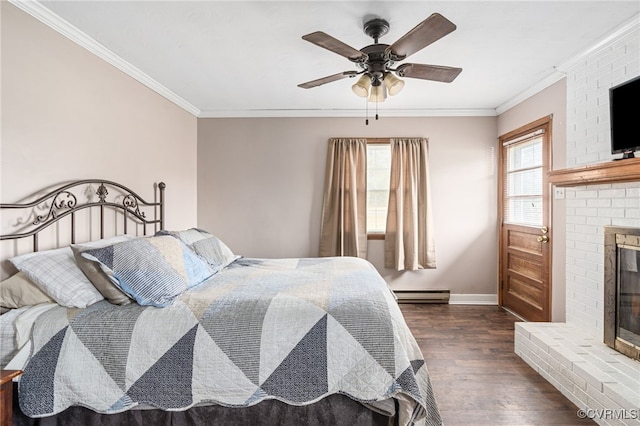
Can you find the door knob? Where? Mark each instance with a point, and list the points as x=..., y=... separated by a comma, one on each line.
x=543, y=239
x=544, y=229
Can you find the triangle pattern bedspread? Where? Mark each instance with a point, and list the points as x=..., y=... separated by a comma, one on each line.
x=295, y=330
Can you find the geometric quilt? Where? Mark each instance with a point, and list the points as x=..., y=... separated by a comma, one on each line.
x=294, y=330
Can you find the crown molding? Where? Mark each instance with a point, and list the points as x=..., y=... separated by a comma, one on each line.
x=47, y=17
x=560, y=71
x=44, y=15
x=322, y=113
x=632, y=24
x=554, y=77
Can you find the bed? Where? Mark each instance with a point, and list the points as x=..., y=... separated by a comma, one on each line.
x=175, y=328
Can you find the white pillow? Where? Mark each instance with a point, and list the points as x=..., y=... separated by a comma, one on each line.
x=56, y=273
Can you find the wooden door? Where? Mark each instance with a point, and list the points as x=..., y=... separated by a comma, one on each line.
x=525, y=234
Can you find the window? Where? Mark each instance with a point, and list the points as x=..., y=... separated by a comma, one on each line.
x=378, y=177
x=523, y=181
x=360, y=186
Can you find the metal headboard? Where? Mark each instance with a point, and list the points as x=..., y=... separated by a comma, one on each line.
x=63, y=201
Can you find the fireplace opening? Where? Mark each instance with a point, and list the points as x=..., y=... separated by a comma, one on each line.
x=622, y=290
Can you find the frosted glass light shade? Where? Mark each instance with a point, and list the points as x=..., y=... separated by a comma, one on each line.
x=361, y=88
x=394, y=84
x=378, y=93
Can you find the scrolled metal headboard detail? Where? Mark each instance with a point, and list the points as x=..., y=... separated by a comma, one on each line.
x=63, y=202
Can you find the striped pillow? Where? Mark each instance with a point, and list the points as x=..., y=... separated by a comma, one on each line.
x=206, y=245
x=152, y=271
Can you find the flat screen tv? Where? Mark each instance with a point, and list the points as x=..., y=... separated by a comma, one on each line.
x=624, y=102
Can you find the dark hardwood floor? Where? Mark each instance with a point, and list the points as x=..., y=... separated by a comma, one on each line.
x=477, y=377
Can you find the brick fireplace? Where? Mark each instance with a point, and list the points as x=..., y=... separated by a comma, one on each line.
x=622, y=290
x=601, y=381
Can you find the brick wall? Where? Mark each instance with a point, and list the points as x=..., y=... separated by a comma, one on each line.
x=603, y=383
x=589, y=208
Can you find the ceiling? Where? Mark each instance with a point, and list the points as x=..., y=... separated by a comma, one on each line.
x=246, y=58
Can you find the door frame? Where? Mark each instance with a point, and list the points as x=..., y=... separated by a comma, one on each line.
x=545, y=123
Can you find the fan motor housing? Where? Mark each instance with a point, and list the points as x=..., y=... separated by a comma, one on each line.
x=378, y=60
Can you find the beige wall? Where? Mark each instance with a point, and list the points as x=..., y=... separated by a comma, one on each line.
x=260, y=184
x=552, y=100
x=67, y=115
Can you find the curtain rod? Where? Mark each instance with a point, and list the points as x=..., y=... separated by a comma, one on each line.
x=382, y=140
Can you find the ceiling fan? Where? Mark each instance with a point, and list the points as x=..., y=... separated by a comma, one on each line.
x=376, y=61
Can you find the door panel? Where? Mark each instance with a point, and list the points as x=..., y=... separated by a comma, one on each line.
x=525, y=237
x=524, y=292
x=525, y=267
x=521, y=239
x=525, y=287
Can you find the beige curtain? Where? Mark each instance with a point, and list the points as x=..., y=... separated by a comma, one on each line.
x=409, y=242
x=344, y=209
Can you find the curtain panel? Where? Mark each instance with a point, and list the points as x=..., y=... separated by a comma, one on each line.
x=409, y=240
x=344, y=208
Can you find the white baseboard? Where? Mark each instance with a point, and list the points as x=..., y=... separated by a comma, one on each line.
x=473, y=299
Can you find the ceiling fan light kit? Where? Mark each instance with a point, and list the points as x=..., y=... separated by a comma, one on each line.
x=378, y=93
x=361, y=88
x=376, y=61
x=394, y=84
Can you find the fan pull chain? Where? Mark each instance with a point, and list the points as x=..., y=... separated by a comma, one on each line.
x=366, y=103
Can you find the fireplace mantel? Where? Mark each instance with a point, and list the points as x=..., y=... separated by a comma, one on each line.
x=610, y=172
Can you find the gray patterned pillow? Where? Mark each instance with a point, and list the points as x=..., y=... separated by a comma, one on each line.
x=153, y=270
x=100, y=280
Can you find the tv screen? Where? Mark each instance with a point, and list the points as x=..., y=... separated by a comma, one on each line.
x=624, y=102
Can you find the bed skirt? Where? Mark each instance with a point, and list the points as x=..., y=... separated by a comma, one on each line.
x=336, y=410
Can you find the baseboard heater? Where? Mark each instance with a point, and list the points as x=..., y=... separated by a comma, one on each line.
x=422, y=296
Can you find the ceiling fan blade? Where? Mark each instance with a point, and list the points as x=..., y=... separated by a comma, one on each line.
x=333, y=44
x=429, y=72
x=426, y=32
x=328, y=79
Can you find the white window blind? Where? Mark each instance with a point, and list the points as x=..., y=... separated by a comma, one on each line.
x=523, y=180
x=378, y=177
